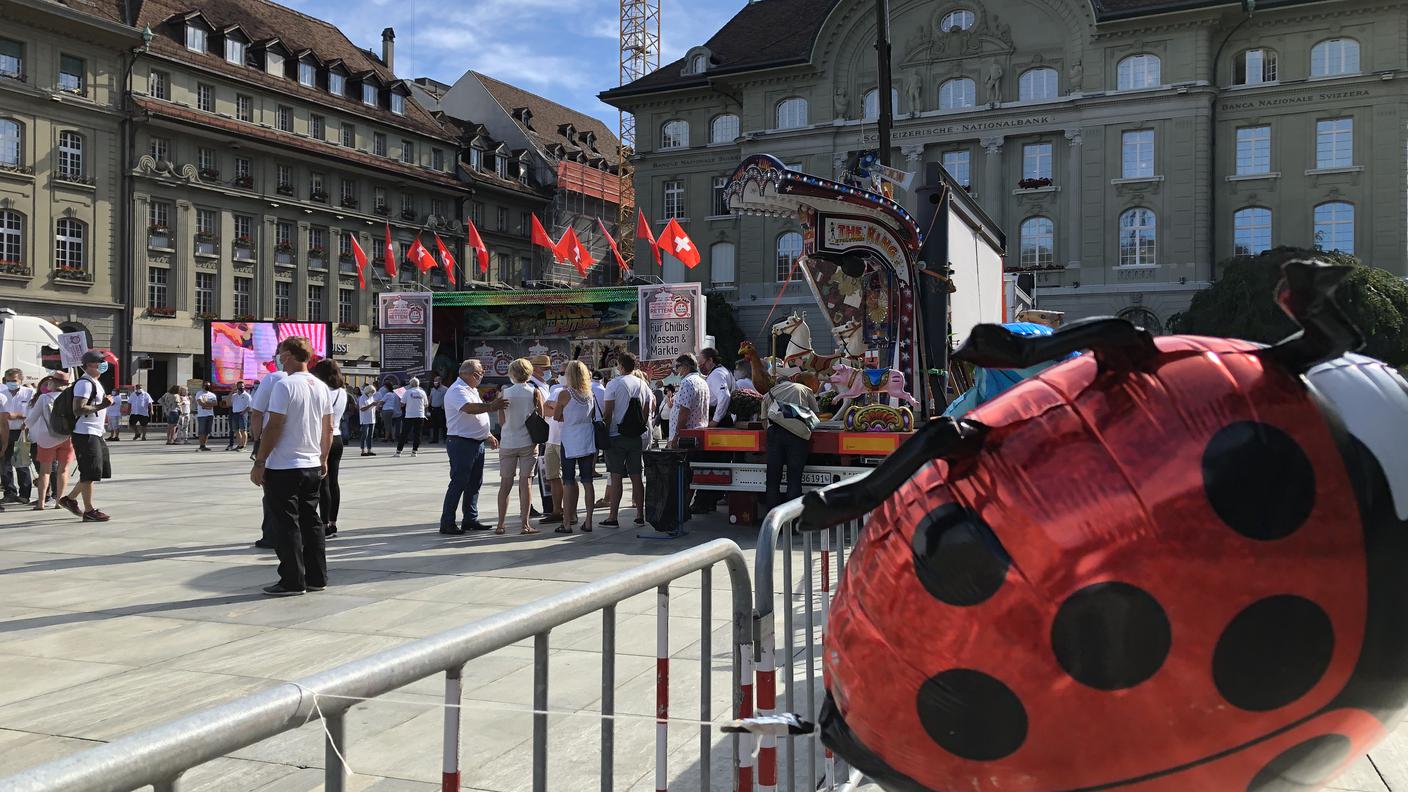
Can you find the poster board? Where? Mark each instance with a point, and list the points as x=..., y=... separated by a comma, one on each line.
x=405, y=320
x=71, y=348
x=671, y=320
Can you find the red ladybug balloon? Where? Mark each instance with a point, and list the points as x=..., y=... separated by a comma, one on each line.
x=1173, y=564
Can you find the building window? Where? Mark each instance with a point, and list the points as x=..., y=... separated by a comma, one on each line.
x=722, y=270
x=957, y=94
x=789, y=248
x=379, y=197
x=208, y=163
x=503, y=219
x=1253, y=150
x=284, y=176
x=1334, y=56
x=408, y=151
x=959, y=165
x=274, y=63
x=398, y=104
x=205, y=293
x=1036, y=161
x=156, y=287
x=285, y=118
x=961, y=19
x=792, y=113
x=720, y=203
x=1334, y=143
x=476, y=213
x=205, y=98
x=437, y=159
x=1038, y=242
x=723, y=129
x=349, y=193
x=1138, y=238
x=379, y=144
x=674, y=199
x=70, y=155
x=195, y=38
x=283, y=292
x=11, y=59
x=283, y=234
x=159, y=85
x=346, y=306
x=207, y=221
x=68, y=244
x=1138, y=71
x=159, y=216
x=674, y=134
x=1137, y=154
x=501, y=165
x=244, y=228
x=315, y=302
x=476, y=159
x=344, y=244
x=1334, y=227
x=337, y=84
x=160, y=149
x=349, y=135
x=870, y=104
x=1251, y=231
x=11, y=143
x=316, y=188
x=72, y=73
x=1037, y=84
x=234, y=50
x=1254, y=67
x=242, y=170
x=698, y=64
x=408, y=203
x=369, y=95
x=523, y=222
x=244, y=287
x=244, y=108
x=307, y=74
x=11, y=237
x=317, y=127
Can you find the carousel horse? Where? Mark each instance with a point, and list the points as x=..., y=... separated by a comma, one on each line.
x=853, y=382
x=800, y=355
x=850, y=339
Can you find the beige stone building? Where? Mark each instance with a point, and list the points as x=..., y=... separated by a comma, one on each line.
x=1125, y=146
x=61, y=73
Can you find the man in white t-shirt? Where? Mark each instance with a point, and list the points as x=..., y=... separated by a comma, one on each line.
x=206, y=401
x=624, y=452
x=257, y=421
x=240, y=404
x=140, y=411
x=16, y=479
x=438, y=389
x=90, y=405
x=290, y=465
x=467, y=424
x=389, y=403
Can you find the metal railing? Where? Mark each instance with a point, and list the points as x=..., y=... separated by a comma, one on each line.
x=819, y=566
x=160, y=755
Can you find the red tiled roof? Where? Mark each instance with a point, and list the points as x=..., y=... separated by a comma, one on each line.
x=549, y=117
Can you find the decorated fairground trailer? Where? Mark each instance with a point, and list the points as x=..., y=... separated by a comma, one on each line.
x=899, y=289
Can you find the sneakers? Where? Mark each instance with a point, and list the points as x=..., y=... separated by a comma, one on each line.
x=414, y=453
x=278, y=590
x=94, y=515
x=71, y=505
x=312, y=587
x=398, y=453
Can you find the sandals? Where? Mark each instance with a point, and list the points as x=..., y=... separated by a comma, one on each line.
x=586, y=528
x=562, y=529
x=527, y=529
x=610, y=524
x=499, y=530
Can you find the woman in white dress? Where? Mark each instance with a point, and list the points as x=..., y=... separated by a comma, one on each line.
x=518, y=454
x=576, y=410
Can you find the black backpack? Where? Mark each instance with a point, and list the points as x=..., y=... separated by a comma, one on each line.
x=633, y=419
x=62, y=418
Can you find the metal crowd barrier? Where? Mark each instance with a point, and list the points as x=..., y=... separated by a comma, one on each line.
x=160, y=755
x=817, y=568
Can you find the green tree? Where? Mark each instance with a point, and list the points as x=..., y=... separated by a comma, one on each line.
x=1241, y=303
x=721, y=322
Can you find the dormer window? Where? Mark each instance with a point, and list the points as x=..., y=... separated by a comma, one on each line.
x=398, y=104
x=195, y=38
x=369, y=94
x=699, y=64
x=476, y=159
x=274, y=63
x=307, y=74
x=501, y=166
x=234, y=50
x=337, y=85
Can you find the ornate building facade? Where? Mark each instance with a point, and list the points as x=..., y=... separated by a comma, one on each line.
x=1125, y=146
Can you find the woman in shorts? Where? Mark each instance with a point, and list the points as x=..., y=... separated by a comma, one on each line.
x=518, y=454
x=171, y=407
x=576, y=410
x=54, y=452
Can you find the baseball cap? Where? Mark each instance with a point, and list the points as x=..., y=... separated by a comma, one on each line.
x=93, y=356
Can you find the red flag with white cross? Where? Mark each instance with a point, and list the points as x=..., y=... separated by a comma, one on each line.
x=676, y=242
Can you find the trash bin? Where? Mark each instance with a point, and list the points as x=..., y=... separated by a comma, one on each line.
x=667, y=478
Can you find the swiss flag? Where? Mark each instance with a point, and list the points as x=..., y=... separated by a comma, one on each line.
x=643, y=232
x=541, y=238
x=361, y=258
x=676, y=242
x=446, y=260
x=420, y=257
x=620, y=262
x=476, y=243
x=390, y=260
x=571, y=249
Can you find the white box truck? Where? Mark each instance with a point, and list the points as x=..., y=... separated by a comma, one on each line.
x=29, y=344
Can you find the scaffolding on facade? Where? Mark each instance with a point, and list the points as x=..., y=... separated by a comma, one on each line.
x=640, y=55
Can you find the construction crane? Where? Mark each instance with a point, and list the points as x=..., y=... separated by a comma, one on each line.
x=640, y=55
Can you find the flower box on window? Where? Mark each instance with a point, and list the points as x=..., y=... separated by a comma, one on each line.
x=382, y=210
x=317, y=258
x=1033, y=184
x=244, y=317
x=207, y=245
x=243, y=249
x=285, y=319
x=408, y=214
x=206, y=315
x=158, y=236
x=348, y=327
x=73, y=275
x=346, y=264
x=161, y=311
x=285, y=189
x=318, y=195
x=15, y=268
x=74, y=178
x=210, y=174
x=23, y=170
x=350, y=203
x=245, y=182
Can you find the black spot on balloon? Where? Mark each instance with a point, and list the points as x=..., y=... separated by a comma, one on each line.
x=1272, y=653
x=1111, y=636
x=1306, y=766
x=957, y=556
x=972, y=715
x=1258, y=480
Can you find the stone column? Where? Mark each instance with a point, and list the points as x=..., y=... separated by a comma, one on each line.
x=180, y=279
x=1074, y=173
x=301, y=276
x=993, y=200
x=838, y=164
x=914, y=163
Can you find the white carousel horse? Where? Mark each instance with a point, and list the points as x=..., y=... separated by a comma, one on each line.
x=850, y=339
x=799, y=335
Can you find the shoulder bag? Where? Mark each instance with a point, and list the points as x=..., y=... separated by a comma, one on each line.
x=537, y=426
x=603, y=437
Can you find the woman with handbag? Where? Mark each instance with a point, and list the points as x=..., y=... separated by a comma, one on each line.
x=580, y=416
x=518, y=448
x=54, y=453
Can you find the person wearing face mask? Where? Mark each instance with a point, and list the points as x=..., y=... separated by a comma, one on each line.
x=53, y=453
x=437, y=409
x=240, y=403
x=366, y=412
x=206, y=402
x=140, y=404
x=16, y=479
x=90, y=405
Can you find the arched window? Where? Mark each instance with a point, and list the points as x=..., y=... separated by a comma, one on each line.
x=962, y=19
x=1254, y=67
x=1038, y=242
x=1139, y=236
x=11, y=237
x=1334, y=226
x=1251, y=231
x=1138, y=71
x=674, y=134
x=11, y=142
x=870, y=104
x=723, y=129
x=70, y=155
x=1140, y=316
x=792, y=113
x=68, y=244
x=1334, y=56
x=722, y=271
x=957, y=94
x=699, y=64
x=789, y=248
x=1037, y=84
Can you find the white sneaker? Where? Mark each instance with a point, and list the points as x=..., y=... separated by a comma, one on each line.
x=415, y=453
x=398, y=453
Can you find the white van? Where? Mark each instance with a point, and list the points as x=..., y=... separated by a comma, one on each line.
x=22, y=343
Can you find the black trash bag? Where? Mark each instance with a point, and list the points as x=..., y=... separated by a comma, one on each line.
x=667, y=478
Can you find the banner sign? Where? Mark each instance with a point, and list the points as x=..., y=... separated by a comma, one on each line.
x=840, y=234
x=405, y=320
x=672, y=320
x=569, y=320
x=71, y=348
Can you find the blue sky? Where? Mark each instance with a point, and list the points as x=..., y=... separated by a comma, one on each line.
x=565, y=50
